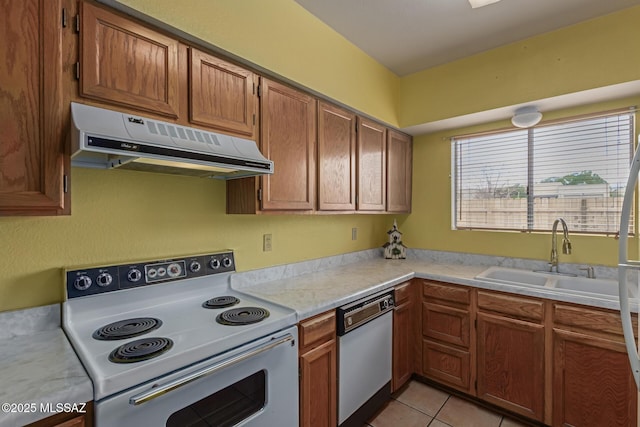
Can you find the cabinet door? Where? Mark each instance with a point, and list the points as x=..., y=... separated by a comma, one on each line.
x=222, y=95
x=447, y=364
x=336, y=158
x=510, y=368
x=288, y=130
x=399, y=171
x=33, y=162
x=128, y=64
x=402, y=344
x=318, y=396
x=372, y=143
x=592, y=382
x=446, y=324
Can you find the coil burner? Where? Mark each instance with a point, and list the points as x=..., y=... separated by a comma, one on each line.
x=128, y=328
x=242, y=316
x=221, y=302
x=139, y=350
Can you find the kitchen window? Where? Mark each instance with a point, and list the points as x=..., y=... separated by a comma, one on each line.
x=524, y=179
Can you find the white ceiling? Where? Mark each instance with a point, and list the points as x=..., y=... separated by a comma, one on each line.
x=411, y=35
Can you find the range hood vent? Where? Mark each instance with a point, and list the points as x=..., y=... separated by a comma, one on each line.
x=107, y=139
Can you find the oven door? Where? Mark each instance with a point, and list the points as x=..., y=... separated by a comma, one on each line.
x=253, y=385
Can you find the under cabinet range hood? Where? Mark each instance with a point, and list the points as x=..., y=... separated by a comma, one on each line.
x=107, y=139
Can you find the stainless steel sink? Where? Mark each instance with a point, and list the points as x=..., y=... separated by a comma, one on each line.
x=514, y=276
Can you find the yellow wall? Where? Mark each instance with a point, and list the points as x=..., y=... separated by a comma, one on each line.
x=429, y=225
x=283, y=37
x=592, y=54
x=120, y=216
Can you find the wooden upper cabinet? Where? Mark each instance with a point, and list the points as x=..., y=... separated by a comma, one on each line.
x=288, y=137
x=336, y=158
x=399, y=171
x=222, y=95
x=371, y=153
x=128, y=64
x=34, y=116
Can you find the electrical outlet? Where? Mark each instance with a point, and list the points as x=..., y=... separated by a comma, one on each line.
x=354, y=233
x=266, y=242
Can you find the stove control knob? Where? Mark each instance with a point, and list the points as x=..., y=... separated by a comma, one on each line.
x=226, y=262
x=215, y=263
x=104, y=279
x=194, y=266
x=134, y=275
x=82, y=283
x=174, y=270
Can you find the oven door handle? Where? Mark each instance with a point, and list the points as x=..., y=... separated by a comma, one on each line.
x=179, y=382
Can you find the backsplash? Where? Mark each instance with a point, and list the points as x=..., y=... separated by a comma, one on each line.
x=248, y=278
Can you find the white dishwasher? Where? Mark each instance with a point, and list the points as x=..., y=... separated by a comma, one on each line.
x=365, y=333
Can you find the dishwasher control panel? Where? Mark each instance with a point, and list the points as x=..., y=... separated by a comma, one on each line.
x=360, y=312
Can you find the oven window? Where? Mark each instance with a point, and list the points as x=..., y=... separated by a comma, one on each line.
x=226, y=407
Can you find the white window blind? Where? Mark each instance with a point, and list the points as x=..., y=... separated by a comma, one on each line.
x=525, y=179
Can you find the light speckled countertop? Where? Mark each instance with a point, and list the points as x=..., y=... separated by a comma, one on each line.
x=37, y=367
x=314, y=292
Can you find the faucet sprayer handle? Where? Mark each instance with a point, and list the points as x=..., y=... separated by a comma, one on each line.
x=590, y=272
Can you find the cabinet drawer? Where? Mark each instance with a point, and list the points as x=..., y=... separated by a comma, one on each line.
x=590, y=319
x=513, y=306
x=402, y=293
x=447, y=324
x=317, y=330
x=446, y=364
x=446, y=292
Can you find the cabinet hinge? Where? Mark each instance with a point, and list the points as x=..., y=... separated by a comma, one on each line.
x=65, y=183
x=475, y=323
x=78, y=70
x=64, y=17
x=356, y=199
x=78, y=23
x=476, y=384
x=259, y=194
x=254, y=119
x=259, y=91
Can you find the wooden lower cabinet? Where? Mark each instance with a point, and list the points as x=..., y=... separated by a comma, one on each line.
x=592, y=381
x=447, y=350
x=318, y=371
x=403, y=335
x=447, y=364
x=510, y=366
x=67, y=419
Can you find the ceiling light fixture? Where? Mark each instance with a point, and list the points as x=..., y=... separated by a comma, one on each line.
x=525, y=117
x=480, y=3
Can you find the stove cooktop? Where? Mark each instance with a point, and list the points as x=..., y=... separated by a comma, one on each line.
x=168, y=321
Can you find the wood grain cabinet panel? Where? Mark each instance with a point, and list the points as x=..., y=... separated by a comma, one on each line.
x=592, y=382
x=318, y=371
x=403, y=335
x=67, y=419
x=399, y=171
x=222, y=95
x=34, y=116
x=447, y=364
x=288, y=128
x=372, y=168
x=336, y=158
x=510, y=364
x=125, y=63
x=446, y=324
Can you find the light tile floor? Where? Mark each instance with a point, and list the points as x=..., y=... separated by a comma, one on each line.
x=419, y=405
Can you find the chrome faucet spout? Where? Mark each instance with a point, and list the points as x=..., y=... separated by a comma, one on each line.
x=566, y=243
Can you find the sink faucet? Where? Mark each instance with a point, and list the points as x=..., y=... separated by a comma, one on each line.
x=566, y=244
